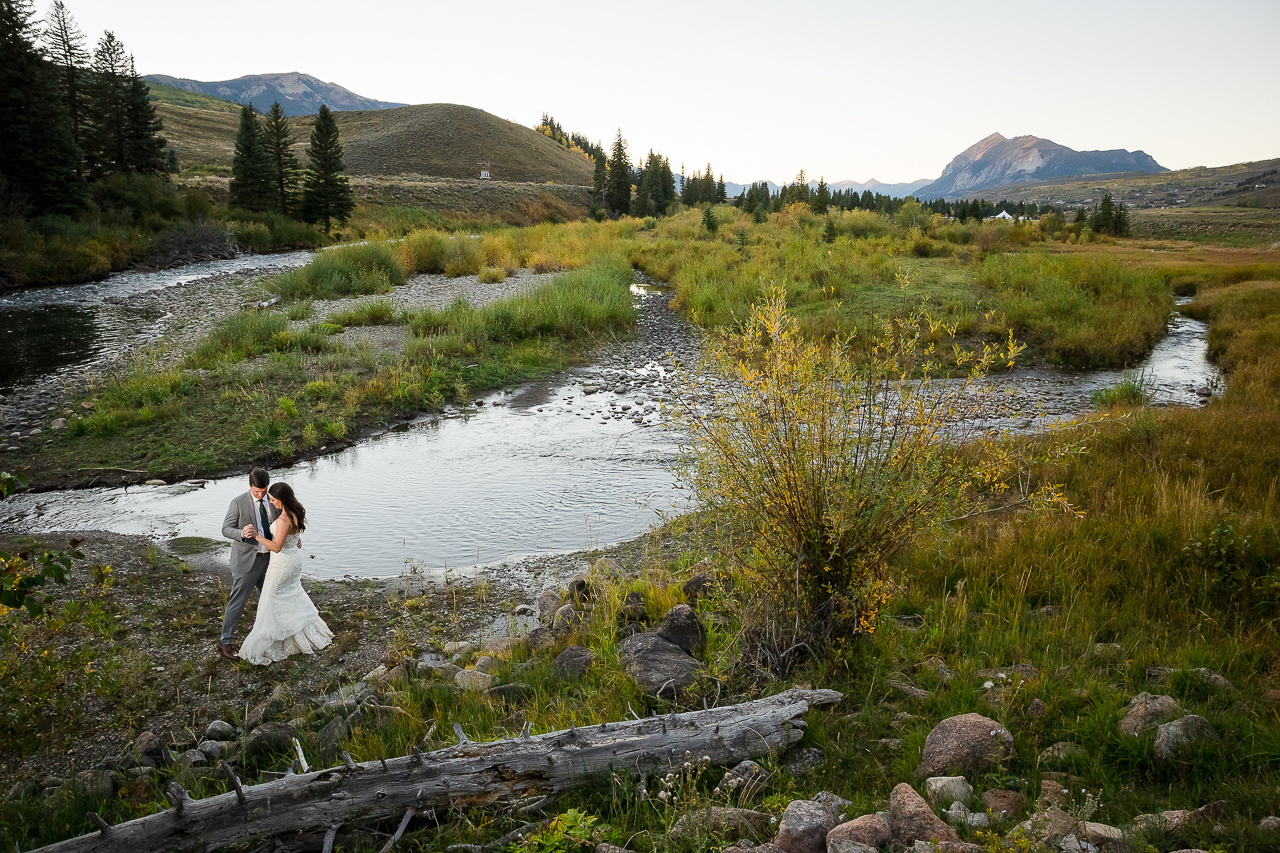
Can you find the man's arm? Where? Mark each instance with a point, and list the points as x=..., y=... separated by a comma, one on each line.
x=231, y=526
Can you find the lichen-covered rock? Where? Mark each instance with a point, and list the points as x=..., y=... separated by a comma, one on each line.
x=804, y=827
x=573, y=663
x=269, y=738
x=912, y=820
x=1060, y=752
x=659, y=666
x=963, y=744
x=870, y=830
x=1003, y=804
x=330, y=737
x=1049, y=826
x=804, y=761
x=724, y=824
x=219, y=730
x=473, y=679
x=1147, y=711
x=1175, y=737
x=745, y=780
x=942, y=791
x=681, y=627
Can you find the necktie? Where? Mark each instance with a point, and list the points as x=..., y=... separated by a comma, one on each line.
x=266, y=523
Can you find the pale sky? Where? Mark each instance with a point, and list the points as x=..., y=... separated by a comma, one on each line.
x=843, y=90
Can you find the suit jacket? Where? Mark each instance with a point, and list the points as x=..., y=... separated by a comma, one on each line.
x=243, y=510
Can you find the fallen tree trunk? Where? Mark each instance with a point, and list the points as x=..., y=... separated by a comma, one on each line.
x=468, y=774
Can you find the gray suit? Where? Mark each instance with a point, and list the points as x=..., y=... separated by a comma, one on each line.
x=248, y=567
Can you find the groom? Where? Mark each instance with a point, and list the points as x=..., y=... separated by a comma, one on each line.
x=248, y=558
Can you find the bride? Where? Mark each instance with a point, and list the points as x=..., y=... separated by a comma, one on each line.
x=287, y=622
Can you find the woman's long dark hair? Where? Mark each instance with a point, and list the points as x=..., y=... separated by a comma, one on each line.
x=283, y=492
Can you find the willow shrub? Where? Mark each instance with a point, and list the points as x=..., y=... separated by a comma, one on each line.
x=834, y=462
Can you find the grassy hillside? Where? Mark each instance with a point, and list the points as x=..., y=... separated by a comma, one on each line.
x=439, y=140
x=449, y=140
x=163, y=94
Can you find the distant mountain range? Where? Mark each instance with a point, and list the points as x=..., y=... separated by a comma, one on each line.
x=298, y=94
x=996, y=161
x=894, y=190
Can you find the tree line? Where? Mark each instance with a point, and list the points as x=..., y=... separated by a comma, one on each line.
x=265, y=175
x=71, y=117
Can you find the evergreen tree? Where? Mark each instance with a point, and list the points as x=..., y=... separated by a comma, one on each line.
x=1082, y=218
x=829, y=233
x=617, y=193
x=123, y=133
x=709, y=221
x=721, y=194
x=326, y=195
x=278, y=141
x=66, y=47
x=821, y=199
x=144, y=146
x=252, y=187
x=598, y=177
x=761, y=214
x=39, y=158
x=1103, y=215
x=667, y=185
x=1120, y=222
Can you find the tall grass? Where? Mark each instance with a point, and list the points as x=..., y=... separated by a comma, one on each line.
x=354, y=270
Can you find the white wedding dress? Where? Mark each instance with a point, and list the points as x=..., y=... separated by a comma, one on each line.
x=287, y=623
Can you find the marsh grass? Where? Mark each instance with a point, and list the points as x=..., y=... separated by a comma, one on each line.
x=354, y=270
x=1132, y=389
x=379, y=312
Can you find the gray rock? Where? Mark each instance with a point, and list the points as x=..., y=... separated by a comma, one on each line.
x=1049, y=826
x=912, y=819
x=1172, y=738
x=512, y=691
x=724, y=824
x=579, y=588
x=540, y=639
x=902, y=720
x=1161, y=674
x=804, y=761
x=1100, y=833
x=697, y=587
x=908, y=691
x=485, y=663
x=573, y=663
x=269, y=738
x=606, y=847
x=965, y=743
x=330, y=738
x=628, y=630
x=566, y=617
x=501, y=647
x=526, y=610
x=659, y=666
x=1147, y=711
x=869, y=831
x=1176, y=820
x=378, y=674
x=149, y=744
x=548, y=604
x=22, y=789
x=58, y=423
x=267, y=708
x=192, y=758
x=833, y=802
x=938, y=668
x=681, y=627
x=473, y=679
x=1271, y=823
x=890, y=744
x=804, y=827
x=96, y=784
x=1060, y=752
x=745, y=780
x=219, y=730
x=1037, y=708
x=1003, y=804
x=941, y=791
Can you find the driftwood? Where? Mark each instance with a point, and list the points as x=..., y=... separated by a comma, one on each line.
x=496, y=773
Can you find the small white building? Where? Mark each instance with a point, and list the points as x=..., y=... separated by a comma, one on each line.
x=1004, y=214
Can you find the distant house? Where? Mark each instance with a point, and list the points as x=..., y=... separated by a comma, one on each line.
x=484, y=174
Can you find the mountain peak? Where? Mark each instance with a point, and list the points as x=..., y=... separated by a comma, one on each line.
x=299, y=94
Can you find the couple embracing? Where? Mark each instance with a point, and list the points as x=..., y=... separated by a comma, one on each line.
x=264, y=525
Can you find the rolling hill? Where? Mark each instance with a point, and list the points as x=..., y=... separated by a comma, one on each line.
x=165, y=94
x=299, y=94
x=442, y=140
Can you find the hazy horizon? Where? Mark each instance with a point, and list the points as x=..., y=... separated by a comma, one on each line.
x=848, y=92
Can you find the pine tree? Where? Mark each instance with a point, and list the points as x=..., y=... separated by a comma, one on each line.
x=278, y=141
x=667, y=186
x=1102, y=219
x=251, y=179
x=1120, y=222
x=709, y=221
x=829, y=233
x=326, y=195
x=144, y=146
x=1082, y=218
x=39, y=158
x=617, y=193
x=722, y=195
x=821, y=199
x=123, y=133
x=598, y=178
x=66, y=47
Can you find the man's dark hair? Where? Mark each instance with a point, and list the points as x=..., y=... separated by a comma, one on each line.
x=259, y=478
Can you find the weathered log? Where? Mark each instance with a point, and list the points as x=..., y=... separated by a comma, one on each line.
x=467, y=774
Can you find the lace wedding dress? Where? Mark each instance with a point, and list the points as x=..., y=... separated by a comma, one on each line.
x=287, y=623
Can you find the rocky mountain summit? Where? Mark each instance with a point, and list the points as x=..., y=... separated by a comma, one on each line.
x=299, y=94
x=997, y=160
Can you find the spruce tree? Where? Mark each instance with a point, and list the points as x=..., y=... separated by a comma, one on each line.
x=326, y=195
x=598, y=178
x=144, y=146
x=107, y=124
x=278, y=141
x=721, y=194
x=66, y=47
x=251, y=184
x=39, y=159
x=617, y=193
x=821, y=199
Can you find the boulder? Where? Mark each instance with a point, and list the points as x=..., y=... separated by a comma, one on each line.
x=149, y=744
x=1270, y=823
x=1049, y=826
x=192, y=758
x=96, y=784
x=22, y=789
x=697, y=587
x=965, y=743
x=566, y=617
x=914, y=693
x=659, y=666
x=804, y=827
x=512, y=691
x=267, y=708
x=1175, y=820
x=1145, y=712
x=500, y=647
x=1098, y=834
x=458, y=647
x=833, y=802
x=724, y=824
x=330, y=737
x=548, y=604
x=485, y=663
x=745, y=779
x=216, y=750
x=540, y=639
x=633, y=607
x=681, y=627
x=1055, y=792
x=1161, y=674
x=1003, y=804
x=912, y=819
x=219, y=730
x=870, y=830
x=1037, y=708
x=573, y=663
x=473, y=679
x=804, y=761
x=942, y=791
x=1175, y=737
x=269, y=738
